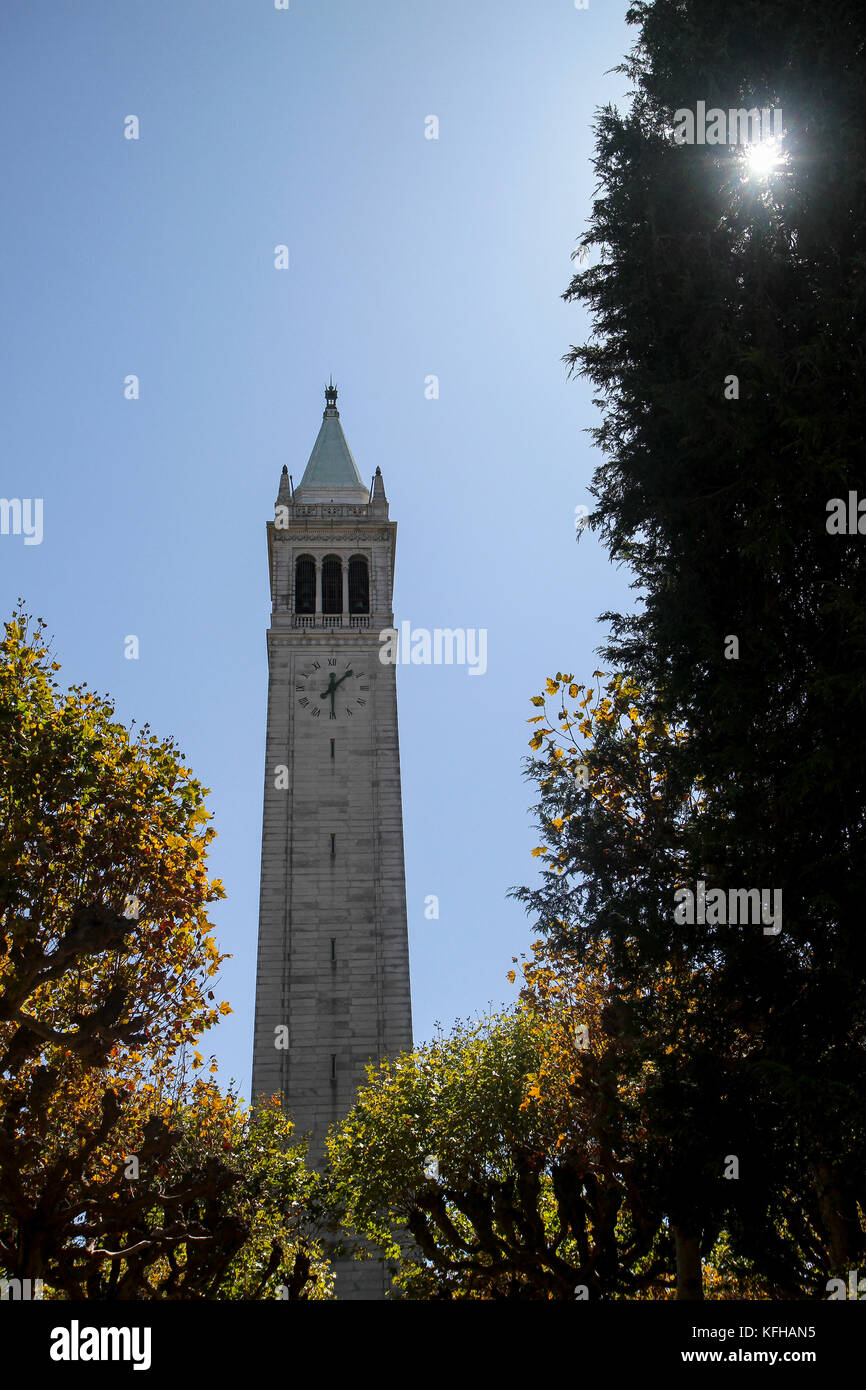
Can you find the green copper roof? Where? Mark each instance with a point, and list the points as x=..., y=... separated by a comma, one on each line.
x=331, y=464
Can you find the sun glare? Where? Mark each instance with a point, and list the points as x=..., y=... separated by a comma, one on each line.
x=763, y=158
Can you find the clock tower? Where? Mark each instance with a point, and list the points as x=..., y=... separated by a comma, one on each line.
x=332, y=989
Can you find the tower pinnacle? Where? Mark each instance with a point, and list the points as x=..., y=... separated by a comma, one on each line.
x=331, y=474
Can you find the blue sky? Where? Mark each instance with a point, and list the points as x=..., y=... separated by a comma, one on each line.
x=408, y=257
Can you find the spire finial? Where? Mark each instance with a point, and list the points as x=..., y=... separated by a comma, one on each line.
x=330, y=395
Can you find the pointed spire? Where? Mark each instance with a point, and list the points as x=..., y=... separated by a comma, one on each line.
x=284, y=496
x=377, y=494
x=331, y=474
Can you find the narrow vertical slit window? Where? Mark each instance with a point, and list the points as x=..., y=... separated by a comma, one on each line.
x=359, y=585
x=333, y=845
x=333, y=742
x=333, y=1066
x=333, y=948
x=332, y=584
x=305, y=584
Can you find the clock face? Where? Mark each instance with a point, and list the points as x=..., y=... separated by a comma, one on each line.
x=332, y=687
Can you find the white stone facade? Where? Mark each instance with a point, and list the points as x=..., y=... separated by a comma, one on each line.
x=333, y=958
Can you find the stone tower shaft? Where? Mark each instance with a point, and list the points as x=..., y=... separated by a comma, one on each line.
x=332, y=988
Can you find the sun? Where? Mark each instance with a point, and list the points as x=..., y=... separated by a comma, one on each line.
x=763, y=158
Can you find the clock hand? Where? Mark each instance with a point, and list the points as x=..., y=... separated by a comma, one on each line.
x=330, y=691
x=333, y=684
x=332, y=687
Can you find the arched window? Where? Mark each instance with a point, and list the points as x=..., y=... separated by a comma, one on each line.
x=332, y=584
x=359, y=585
x=305, y=584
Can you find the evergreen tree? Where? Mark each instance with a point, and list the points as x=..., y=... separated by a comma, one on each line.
x=727, y=355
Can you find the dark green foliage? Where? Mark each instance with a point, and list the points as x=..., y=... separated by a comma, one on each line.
x=703, y=272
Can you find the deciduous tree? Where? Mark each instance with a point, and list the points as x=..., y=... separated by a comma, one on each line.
x=121, y=1174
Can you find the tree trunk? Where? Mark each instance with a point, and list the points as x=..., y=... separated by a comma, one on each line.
x=690, y=1282
x=839, y=1217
